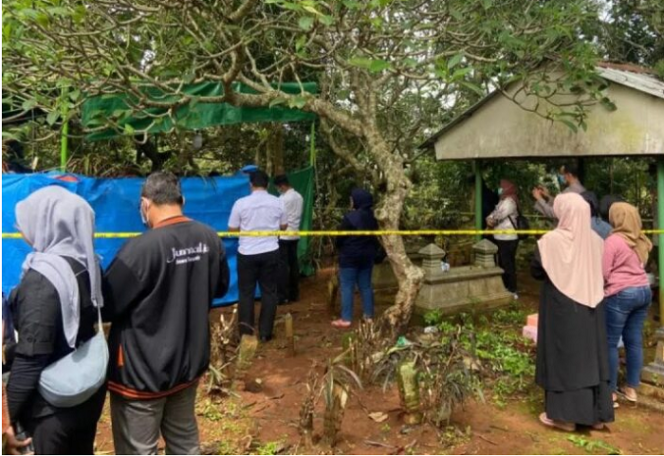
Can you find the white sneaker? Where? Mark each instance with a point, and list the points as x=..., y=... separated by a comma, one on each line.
x=515, y=297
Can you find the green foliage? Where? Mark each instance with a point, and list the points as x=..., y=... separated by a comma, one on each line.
x=659, y=69
x=270, y=448
x=632, y=31
x=593, y=446
x=503, y=353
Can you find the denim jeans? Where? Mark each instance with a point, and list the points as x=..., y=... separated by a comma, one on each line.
x=626, y=312
x=349, y=277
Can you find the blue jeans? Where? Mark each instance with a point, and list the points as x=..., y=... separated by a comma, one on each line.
x=626, y=312
x=349, y=277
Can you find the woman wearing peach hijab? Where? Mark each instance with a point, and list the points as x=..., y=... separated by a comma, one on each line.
x=572, y=356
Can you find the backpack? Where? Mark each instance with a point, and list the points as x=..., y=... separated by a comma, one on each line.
x=522, y=224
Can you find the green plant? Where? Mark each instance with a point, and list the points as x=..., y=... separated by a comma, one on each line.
x=226, y=447
x=514, y=315
x=446, y=371
x=270, y=448
x=211, y=411
x=592, y=446
x=433, y=317
x=659, y=69
x=499, y=348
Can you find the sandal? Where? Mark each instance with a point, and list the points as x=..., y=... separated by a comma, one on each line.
x=341, y=324
x=630, y=394
x=567, y=427
x=614, y=399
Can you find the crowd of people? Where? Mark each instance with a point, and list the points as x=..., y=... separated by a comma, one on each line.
x=595, y=294
x=156, y=294
x=158, y=290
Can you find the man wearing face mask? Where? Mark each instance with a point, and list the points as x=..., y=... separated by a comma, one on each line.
x=158, y=293
x=568, y=178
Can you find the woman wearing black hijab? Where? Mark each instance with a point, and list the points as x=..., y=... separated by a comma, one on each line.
x=606, y=203
x=356, y=257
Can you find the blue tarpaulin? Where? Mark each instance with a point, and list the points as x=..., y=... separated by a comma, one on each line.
x=116, y=202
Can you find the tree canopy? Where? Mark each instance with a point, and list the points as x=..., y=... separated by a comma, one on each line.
x=389, y=71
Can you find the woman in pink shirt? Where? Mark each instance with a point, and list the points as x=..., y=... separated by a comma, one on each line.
x=627, y=292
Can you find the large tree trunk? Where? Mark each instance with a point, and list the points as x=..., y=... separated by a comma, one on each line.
x=409, y=276
x=275, y=150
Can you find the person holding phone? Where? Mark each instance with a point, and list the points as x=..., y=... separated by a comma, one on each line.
x=568, y=178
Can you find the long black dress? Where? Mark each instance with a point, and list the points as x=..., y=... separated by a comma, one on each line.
x=572, y=356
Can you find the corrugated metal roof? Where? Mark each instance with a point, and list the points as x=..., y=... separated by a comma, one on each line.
x=630, y=76
x=643, y=82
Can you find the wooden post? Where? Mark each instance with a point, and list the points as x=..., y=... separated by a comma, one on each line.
x=409, y=390
x=290, y=335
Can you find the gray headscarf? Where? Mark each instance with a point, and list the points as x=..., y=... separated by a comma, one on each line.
x=60, y=223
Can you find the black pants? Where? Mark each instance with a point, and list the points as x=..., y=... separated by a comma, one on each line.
x=258, y=269
x=507, y=261
x=289, y=271
x=68, y=430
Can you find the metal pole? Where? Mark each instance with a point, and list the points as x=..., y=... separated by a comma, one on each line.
x=478, y=197
x=312, y=145
x=660, y=225
x=64, y=139
x=64, y=134
x=653, y=373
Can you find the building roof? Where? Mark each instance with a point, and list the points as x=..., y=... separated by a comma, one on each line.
x=628, y=75
x=632, y=76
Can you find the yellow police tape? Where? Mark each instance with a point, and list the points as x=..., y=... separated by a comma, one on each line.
x=233, y=234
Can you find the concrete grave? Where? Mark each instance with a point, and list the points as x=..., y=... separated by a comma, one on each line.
x=475, y=287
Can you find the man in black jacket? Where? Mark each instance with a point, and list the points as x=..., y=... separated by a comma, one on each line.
x=159, y=290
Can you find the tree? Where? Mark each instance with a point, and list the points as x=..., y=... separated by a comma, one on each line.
x=633, y=31
x=380, y=64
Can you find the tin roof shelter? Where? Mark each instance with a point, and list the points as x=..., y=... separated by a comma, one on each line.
x=498, y=128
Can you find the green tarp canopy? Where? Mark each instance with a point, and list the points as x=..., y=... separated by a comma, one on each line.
x=191, y=116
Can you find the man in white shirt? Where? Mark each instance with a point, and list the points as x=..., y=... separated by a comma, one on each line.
x=258, y=257
x=289, y=273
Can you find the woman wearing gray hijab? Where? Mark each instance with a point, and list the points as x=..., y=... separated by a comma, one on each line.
x=54, y=308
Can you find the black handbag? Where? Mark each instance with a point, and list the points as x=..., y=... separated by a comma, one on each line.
x=522, y=224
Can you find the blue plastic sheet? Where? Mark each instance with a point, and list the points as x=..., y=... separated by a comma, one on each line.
x=116, y=202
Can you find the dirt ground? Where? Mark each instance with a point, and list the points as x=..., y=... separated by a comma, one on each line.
x=266, y=422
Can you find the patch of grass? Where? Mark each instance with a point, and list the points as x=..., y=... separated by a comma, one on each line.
x=452, y=436
x=226, y=447
x=512, y=366
x=513, y=315
x=270, y=448
x=210, y=411
x=593, y=446
x=433, y=317
x=385, y=428
x=500, y=348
